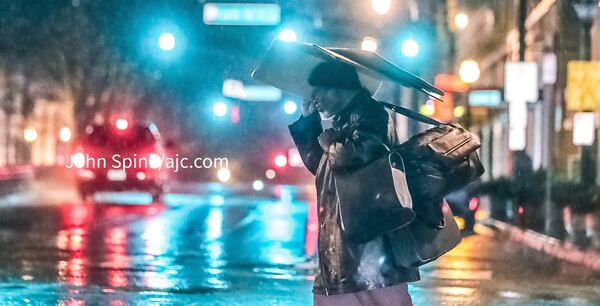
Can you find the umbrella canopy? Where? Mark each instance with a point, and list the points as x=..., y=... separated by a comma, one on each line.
x=287, y=66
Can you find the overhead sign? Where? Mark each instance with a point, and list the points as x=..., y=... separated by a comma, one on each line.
x=583, y=91
x=256, y=93
x=486, y=98
x=517, y=114
x=444, y=110
x=584, y=128
x=451, y=83
x=517, y=139
x=521, y=82
x=242, y=14
x=262, y=93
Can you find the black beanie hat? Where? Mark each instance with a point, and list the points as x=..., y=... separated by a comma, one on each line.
x=334, y=74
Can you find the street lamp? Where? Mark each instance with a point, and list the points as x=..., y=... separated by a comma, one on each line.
x=220, y=109
x=121, y=124
x=461, y=20
x=30, y=134
x=166, y=41
x=369, y=44
x=381, y=7
x=65, y=134
x=586, y=11
x=469, y=71
x=290, y=107
x=288, y=35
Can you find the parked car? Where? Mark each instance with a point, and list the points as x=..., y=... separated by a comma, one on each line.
x=464, y=205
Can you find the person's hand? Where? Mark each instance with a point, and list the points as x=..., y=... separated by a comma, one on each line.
x=308, y=106
x=327, y=137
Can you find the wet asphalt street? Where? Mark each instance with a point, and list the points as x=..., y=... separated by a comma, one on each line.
x=217, y=246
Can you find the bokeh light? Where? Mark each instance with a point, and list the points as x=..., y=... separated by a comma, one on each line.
x=410, y=48
x=270, y=174
x=290, y=107
x=30, y=134
x=369, y=44
x=166, y=41
x=381, y=7
x=461, y=20
x=220, y=109
x=280, y=160
x=65, y=134
x=258, y=185
x=224, y=175
x=288, y=35
x=469, y=71
x=121, y=124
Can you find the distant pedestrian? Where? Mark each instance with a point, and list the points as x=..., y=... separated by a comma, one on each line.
x=522, y=164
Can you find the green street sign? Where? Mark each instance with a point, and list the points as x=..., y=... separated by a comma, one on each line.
x=487, y=98
x=242, y=14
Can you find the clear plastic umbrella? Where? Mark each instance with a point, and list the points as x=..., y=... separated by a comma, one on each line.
x=287, y=66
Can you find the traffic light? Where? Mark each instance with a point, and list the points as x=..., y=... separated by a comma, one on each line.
x=121, y=124
x=288, y=35
x=166, y=41
x=280, y=160
x=410, y=47
x=415, y=45
x=290, y=107
x=220, y=109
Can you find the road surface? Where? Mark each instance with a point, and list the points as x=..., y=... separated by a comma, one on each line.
x=214, y=245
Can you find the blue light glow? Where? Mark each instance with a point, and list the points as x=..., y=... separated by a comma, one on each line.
x=290, y=107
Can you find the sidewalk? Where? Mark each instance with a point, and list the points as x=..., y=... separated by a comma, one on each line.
x=28, y=185
x=16, y=172
x=552, y=246
x=14, y=179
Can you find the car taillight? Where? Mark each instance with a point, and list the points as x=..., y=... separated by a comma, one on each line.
x=154, y=161
x=280, y=161
x=474, y=204
x=121, y=124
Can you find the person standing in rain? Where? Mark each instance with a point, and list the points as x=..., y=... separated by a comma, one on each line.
x=348, y=273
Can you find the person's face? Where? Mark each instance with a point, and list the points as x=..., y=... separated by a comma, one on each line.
x=327, y=101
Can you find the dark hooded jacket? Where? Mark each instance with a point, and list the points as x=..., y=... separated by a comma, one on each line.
x=355, y=139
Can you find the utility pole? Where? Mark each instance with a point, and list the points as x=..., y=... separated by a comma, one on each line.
x=586, y=10
x=553, y=223
x=521, y=22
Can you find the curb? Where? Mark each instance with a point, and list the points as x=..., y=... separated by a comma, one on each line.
x=551, y=246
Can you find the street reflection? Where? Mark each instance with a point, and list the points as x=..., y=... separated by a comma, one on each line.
x=117, y=259
x=72, y=239
x=216, y=243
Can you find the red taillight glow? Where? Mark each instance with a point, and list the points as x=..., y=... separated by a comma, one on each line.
x=121, y=124
x=474, y=204
x=280, y=161
x=154, y=161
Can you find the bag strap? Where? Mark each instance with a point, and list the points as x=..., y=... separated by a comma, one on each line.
x=410, y=113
